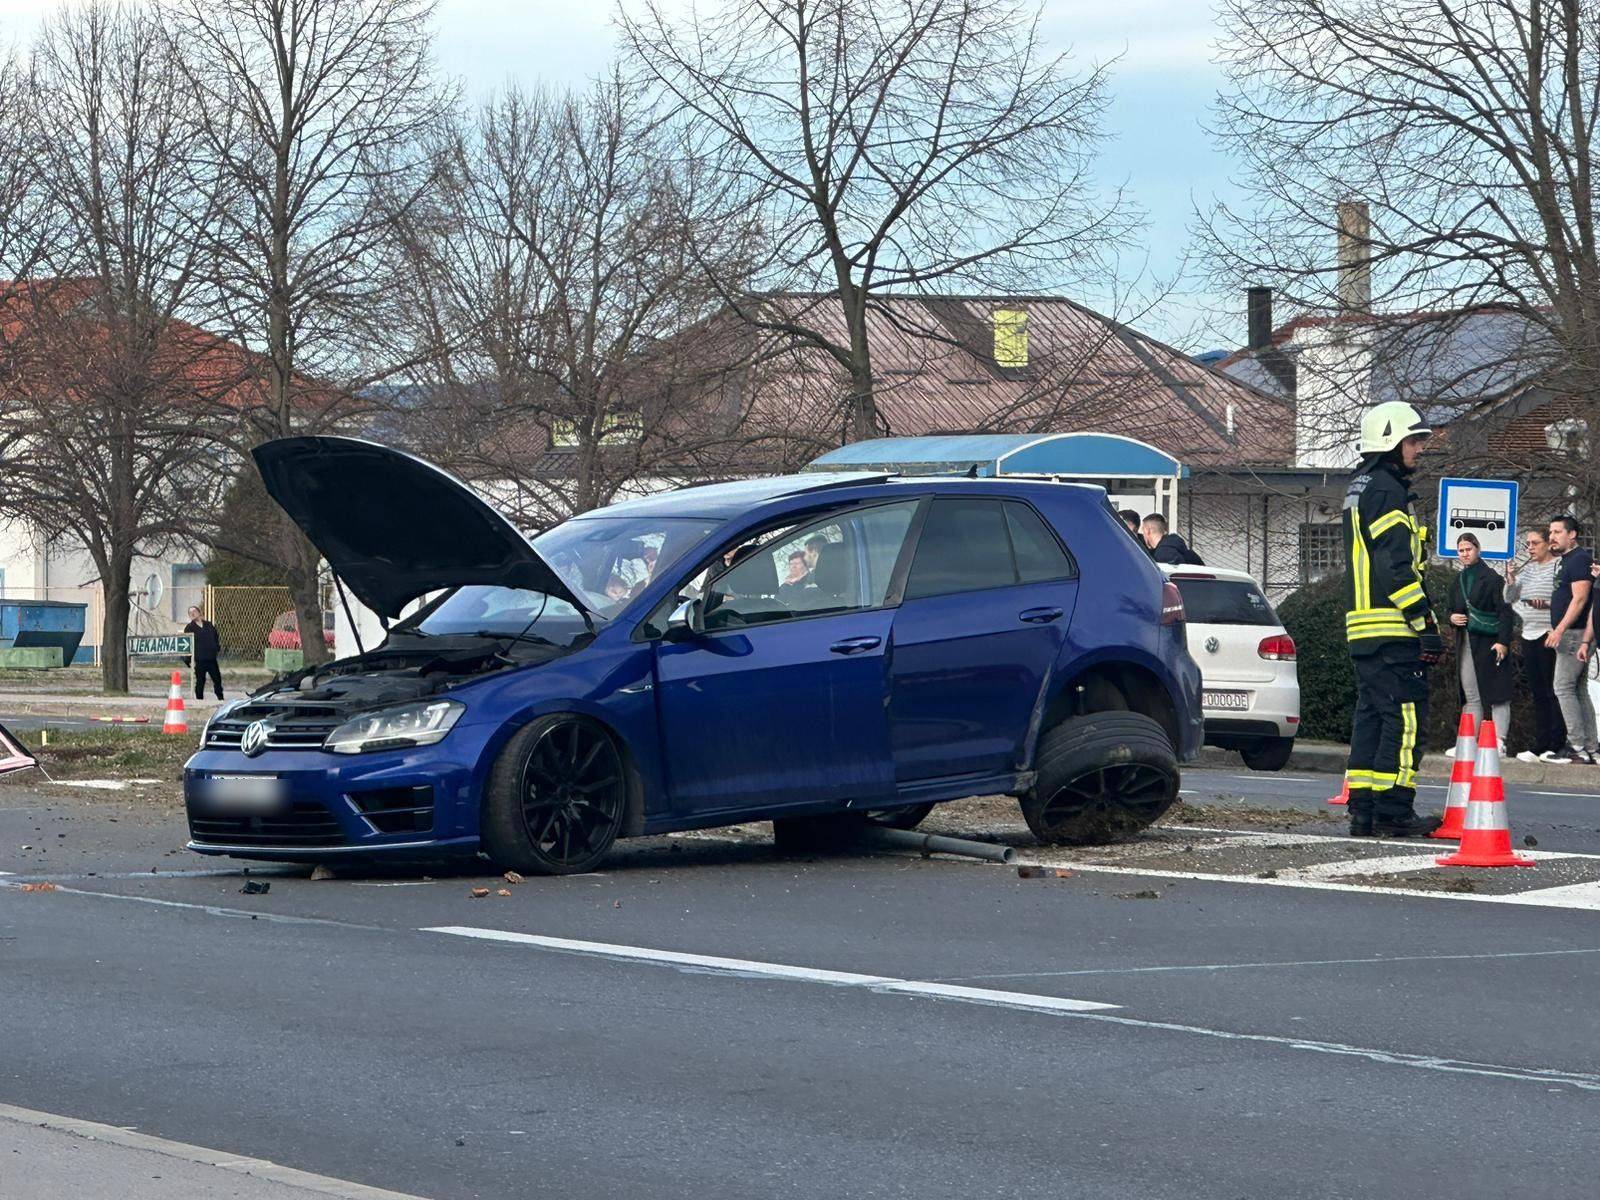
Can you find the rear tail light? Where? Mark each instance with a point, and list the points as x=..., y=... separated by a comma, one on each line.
x=1171, y=604
x=1279, y=648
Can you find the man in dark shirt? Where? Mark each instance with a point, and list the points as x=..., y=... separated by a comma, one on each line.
x=1168, y=547
x=207, y=648
x=1570, y=638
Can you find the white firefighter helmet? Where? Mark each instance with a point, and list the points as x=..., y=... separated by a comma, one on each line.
x=1386, y=425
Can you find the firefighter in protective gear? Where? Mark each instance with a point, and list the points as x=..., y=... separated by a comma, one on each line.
x=1389, y=626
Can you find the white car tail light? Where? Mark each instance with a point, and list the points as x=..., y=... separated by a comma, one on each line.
x=1278, y=648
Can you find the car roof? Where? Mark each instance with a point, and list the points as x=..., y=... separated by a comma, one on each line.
x=1183, y=571
x=740, y=496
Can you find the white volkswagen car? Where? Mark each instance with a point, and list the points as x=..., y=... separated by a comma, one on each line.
x=1251, y=691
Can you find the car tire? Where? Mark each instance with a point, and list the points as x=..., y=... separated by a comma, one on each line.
x=1100, y=777
x=555, y=798
x=1269, y=754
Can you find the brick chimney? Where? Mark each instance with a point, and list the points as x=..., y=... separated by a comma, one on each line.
x=1355, y=257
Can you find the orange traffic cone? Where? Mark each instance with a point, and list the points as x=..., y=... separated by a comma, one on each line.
x=1461, y=775
x=1486, y=837
x=1344, y=795
x=176, y=722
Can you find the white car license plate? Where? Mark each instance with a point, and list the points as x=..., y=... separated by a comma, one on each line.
x=244, y=793
x=1238, y=700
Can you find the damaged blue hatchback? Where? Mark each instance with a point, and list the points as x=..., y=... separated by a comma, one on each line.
x=823, y=651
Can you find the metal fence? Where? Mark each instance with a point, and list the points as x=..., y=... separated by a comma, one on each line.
x=245, y=618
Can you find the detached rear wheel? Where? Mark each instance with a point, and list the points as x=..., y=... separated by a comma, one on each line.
x=555, y=799
x=1100, y=777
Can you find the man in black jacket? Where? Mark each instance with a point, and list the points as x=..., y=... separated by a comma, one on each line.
x=207, y=648
x=1167, y=547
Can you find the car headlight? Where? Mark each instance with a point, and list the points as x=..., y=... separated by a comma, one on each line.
x=420, y=724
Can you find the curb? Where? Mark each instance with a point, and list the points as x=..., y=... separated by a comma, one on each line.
x=1328, y=758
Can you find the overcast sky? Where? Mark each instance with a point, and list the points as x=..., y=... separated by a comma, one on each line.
x=1163, y=86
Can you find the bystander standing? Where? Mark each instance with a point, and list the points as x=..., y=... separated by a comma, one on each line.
x=1483, y=622
x=1570, y=636
x=207, y=650
x=1166, y=547
x=1529, y=588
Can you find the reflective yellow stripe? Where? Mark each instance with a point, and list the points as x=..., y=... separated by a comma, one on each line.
x=1365, y=635
x=1408, y=745
x=1410, y=594
x=1355, y=779
x=1358, y=563
x=1388, y=521
x=1382, y=781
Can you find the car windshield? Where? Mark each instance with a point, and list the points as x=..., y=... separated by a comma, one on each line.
x=607, y=561
x=1223, y=602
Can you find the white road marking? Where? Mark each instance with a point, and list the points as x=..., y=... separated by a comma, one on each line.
x=212, y=910
x=1397, y=865
x=260, y=1168
x=1310, y=962
x=1557, y=897
x=1573, y=795
x=1075, y=1009
x=750, y=968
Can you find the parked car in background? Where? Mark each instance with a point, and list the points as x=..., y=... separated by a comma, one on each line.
x=816, y=650
x=1251, y=688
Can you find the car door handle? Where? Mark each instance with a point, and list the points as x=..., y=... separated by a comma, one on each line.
x=1040, y=616
x=856, y=645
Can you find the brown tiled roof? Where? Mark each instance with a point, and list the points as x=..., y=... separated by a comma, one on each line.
x=933, y=359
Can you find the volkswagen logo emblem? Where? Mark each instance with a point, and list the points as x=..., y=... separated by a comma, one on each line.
x=1212, y=646
x=254, y=740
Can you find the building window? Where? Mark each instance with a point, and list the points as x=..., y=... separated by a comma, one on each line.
x=1010, y=337
x=1321, y=551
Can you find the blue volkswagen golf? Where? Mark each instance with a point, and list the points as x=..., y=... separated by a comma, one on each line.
x=821, y=651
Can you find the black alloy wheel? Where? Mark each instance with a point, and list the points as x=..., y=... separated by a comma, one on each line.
x=556, y=798
x=1101, y=777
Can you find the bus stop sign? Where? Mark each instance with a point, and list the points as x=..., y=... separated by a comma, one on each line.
x=1486, y=508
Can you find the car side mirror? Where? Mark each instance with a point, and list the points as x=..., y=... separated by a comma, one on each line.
x=686, y=621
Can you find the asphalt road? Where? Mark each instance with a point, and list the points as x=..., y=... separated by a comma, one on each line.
x=1264, y=1041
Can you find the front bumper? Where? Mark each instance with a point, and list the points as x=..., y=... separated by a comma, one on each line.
x=422, y=801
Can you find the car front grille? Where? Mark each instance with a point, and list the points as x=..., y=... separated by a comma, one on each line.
x=286, y=731
x=306, y=823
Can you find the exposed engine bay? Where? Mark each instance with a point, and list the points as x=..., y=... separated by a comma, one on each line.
x=408, y=669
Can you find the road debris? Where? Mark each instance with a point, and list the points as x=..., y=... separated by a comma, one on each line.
x=1027, y=871
x=323, y=872
x=1143, y=894
x=511, y=877
x=36, y=887
x=503, y=892
x=478, y=893
x=255, y=887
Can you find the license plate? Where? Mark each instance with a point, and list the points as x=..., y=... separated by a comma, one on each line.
x=1238, y=700
x=244, y=793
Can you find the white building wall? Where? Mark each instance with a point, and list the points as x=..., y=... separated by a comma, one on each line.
x=1333, y=366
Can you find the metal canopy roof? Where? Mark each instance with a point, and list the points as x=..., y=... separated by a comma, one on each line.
x=1065, y=455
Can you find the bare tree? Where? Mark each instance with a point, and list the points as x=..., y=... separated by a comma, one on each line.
x=919, y=145
x=554, y=287
x=104, y=386
x=1448, y=146
x=317, y=112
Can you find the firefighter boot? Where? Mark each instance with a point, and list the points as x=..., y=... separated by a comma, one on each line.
x=1394, y=817
x=1360, y=810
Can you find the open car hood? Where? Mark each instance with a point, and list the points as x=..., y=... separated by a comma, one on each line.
x=393, y=527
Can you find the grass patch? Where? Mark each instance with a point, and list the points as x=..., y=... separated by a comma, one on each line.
x=115, y=753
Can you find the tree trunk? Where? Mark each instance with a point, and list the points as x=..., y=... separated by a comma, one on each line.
x=116, y=581
x=863, y=405
x=305, y=588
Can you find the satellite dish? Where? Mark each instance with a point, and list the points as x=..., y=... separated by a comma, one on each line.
x=152, y=590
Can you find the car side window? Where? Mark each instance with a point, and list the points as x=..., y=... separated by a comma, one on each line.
x=964, y=547
x=1040, y=557
x=841, y=562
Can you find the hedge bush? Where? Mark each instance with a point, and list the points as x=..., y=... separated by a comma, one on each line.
x=1314, y=617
